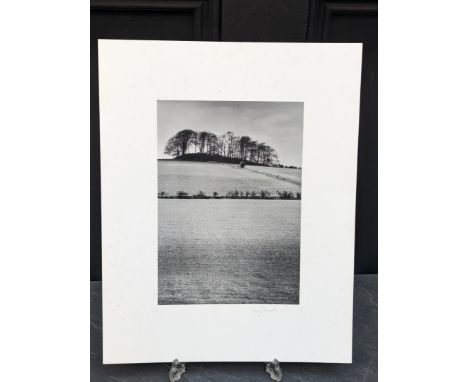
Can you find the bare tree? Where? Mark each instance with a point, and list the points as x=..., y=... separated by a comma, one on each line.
x=173, y=147
x=202, y=139
x=252, y=151
x=213, y=144
x=186, y=138
x=229, y=144
x=243, y=146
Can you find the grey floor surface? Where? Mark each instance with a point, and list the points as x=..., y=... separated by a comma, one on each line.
x=363, y=368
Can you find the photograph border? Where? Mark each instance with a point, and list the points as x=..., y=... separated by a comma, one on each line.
x=231, y=165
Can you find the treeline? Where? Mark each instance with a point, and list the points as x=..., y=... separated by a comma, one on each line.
x=263, y=194
x=237, y=148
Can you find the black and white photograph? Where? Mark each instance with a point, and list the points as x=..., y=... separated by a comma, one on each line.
x=229, y=202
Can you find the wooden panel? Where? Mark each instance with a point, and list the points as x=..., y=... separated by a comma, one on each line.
x=264, y=20
x=162, y=18
x=325, y=16
x=356, y=21
x=137, y=19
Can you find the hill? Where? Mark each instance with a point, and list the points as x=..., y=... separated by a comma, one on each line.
x=195, y=176
x=203, y=157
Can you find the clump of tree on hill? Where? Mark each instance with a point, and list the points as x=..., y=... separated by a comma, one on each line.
x=189, y=144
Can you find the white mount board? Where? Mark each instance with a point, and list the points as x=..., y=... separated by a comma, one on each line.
x=133, y=75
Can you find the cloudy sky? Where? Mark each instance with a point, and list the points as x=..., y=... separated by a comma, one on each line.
x=278, y=124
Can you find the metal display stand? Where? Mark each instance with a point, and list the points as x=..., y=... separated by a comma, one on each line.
x=272, y=368
x=176, y=371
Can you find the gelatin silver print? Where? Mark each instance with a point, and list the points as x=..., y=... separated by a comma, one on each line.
x=229, y=202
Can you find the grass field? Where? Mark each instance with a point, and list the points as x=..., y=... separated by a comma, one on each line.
x=209, y=177
x=227, y=251
x=294, y=175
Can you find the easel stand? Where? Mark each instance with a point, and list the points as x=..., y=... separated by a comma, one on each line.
x=176, y=371
x=272, y=368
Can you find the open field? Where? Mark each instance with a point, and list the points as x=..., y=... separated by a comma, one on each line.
x=228, y=251
x=289, y=174
x=209, y=177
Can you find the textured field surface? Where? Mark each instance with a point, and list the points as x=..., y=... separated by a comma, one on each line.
x=228, y=251
x=291, y=174
x=209, y=177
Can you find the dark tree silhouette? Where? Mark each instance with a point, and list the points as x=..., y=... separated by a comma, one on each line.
x=180, y=143
x=173, y=147
x=212, y=144
x=243, y=145
x=202, y=140
x=235, y=149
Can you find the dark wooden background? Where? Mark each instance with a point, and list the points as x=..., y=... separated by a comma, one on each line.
x=251, y=20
